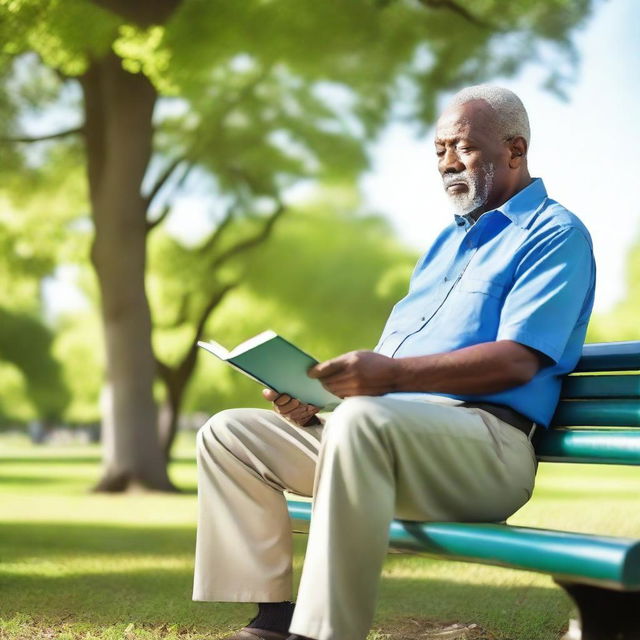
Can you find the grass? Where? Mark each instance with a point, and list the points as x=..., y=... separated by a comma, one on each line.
x=76, y=565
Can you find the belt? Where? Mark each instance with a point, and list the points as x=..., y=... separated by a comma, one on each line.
x=507, y=414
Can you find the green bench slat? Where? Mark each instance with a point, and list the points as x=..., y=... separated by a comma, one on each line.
x=595, y=560
x=610, y=356
x=597, y=446
x=615, y=386
x=622, y=412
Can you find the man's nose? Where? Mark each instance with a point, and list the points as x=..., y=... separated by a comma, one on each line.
x=450, y=162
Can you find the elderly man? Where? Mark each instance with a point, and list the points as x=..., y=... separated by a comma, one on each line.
x=437, y=420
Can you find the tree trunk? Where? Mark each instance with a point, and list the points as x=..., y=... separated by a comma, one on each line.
x=176, y=381
x=118, y=131
x=169, y=414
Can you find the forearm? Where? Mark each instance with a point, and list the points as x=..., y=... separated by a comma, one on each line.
x=488, y=367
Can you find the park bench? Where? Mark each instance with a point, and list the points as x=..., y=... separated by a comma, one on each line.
x=597, y=422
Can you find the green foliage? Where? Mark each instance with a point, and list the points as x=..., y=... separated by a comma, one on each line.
x=326, y=279
x=78, y=346
x=15, y=404
x=40, y=207
x=621, y=323
x=255, y=96
x=26, y=343
x=64, y=33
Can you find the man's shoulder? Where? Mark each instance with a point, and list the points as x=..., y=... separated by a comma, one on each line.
x=554, y=218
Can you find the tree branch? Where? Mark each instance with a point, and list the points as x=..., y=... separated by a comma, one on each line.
x=214, y=301
x=181, y=372
x=164, y=177
x=252, y=241
x=184, y=369
x=243, y=175
x=164, y=370
x=152, y=224
x=212, y=240
x=49, y=136
x=232, y=103
x=454, y=7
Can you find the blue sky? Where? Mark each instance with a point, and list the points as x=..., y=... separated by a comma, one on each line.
x=587, y=150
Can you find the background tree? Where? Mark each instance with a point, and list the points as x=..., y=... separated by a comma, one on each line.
x=289, y=284
x=31, y=245
x=270, y=93
x=621, y=322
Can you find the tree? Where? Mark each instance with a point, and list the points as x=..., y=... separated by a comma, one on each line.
x=33, y=385
x=270, y=93
x=26, y=343
x=288, y=284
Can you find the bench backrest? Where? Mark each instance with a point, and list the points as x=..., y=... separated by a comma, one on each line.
x=598, y=416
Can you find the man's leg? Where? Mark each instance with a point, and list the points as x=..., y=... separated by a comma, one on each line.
x=246, y=459
x=382, y=457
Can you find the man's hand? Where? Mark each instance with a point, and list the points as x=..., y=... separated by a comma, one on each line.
x=357, y=373
x=293, y=410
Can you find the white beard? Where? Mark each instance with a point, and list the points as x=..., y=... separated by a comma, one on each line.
x=479, y=186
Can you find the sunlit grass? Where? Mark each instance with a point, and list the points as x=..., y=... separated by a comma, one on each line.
x=75, y=564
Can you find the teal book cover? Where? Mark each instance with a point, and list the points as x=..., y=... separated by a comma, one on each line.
x=278, y=364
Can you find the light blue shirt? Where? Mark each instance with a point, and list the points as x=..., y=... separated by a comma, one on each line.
x=524, y=272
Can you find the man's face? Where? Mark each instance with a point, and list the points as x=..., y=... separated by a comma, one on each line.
x=472, y=158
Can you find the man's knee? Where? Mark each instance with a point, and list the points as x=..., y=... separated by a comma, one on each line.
x=221, y=427
x=357, y=416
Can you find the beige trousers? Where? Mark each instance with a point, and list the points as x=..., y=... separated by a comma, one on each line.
x=374, y=459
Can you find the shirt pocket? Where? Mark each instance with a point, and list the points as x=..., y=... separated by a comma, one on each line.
x=485, y=287
x=472, y=311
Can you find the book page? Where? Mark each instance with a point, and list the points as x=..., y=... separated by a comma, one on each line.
x=217, y=349
x=252, y=343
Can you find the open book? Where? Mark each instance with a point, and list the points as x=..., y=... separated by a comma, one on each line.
x=276, y=363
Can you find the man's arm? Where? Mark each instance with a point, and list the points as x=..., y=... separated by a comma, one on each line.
x=553, y=291
x=489, y=367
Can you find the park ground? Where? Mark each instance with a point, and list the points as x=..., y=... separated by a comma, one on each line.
x=76, y=565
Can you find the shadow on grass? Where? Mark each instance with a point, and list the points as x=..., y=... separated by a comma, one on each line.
x=508, y=611
x=80, y=485
x=105, y=575
x=32, y=481
x=51, y=540
x=70, y=459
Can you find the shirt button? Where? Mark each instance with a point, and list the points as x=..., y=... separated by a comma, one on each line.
x=422, y=319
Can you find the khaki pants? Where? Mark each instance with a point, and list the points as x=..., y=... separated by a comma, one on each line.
x=375, y=458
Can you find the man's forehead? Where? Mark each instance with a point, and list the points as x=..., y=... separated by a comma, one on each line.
x=473, y=117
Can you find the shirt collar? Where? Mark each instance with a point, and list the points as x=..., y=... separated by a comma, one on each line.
x=520, y=208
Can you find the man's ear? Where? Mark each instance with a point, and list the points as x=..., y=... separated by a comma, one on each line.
x=518, y=150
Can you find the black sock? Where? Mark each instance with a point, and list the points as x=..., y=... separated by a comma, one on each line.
x=274, y=616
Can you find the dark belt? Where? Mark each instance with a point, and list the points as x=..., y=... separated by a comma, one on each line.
x=507, y=414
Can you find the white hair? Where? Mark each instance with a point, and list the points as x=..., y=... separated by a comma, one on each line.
x=511, y=116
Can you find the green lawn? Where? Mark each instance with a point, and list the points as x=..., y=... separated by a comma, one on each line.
x=80, y=565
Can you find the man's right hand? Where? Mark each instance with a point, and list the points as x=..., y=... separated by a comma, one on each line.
x=293, y=410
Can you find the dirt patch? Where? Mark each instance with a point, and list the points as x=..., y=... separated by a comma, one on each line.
x=420, y=629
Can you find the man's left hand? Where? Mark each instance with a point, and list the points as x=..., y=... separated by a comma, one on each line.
x=357, y=373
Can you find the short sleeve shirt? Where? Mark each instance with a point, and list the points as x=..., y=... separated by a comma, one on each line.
x=524, y=272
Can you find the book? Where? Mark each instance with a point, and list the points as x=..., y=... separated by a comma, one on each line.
x=277, y=364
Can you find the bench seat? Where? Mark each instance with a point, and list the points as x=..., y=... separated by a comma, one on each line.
x=613, y=563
